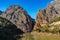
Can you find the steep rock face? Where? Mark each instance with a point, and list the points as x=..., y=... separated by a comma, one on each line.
x=18, y=16
x=44, y=16
x=1, y=12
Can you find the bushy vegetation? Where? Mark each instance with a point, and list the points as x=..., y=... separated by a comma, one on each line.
x=49, y=29
x=54, y=29
x=44, y=28
x=8, y=31
x=55, y=19
x=38, y=30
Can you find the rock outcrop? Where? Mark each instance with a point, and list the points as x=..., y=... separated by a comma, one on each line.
x=44, y=16
x=1, y=12
x=18, y=16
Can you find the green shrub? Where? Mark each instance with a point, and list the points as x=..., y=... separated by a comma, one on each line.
x=55, y=29
x=9, y=31
x=38, y=30
x=44, y=28
x=55, y=20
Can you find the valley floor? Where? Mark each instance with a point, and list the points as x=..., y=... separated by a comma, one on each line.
x=41, y=36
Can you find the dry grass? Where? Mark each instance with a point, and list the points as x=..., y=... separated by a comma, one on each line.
x=41, y=36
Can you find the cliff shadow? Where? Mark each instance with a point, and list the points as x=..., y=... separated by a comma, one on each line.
x=9, y=31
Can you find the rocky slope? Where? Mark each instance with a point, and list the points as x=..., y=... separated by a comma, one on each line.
x=1, y=12
x=8, y=31
x=18, y=16
x=46, y=15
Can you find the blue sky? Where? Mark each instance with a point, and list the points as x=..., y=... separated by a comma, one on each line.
x=31, y=6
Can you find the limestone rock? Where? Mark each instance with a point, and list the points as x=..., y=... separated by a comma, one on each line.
x=44, y=16
x=18, y=16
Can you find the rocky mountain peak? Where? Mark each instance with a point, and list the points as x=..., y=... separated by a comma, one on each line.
x=18, y=16
x=14, y=7
x=44, y=16
x=56, y=0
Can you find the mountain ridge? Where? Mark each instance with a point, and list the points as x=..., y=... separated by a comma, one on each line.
x=18, y=16
x=46, y=15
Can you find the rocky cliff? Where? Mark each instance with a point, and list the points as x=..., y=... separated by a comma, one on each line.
x=1, y=12
x=46, y=15
x=18, y=16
